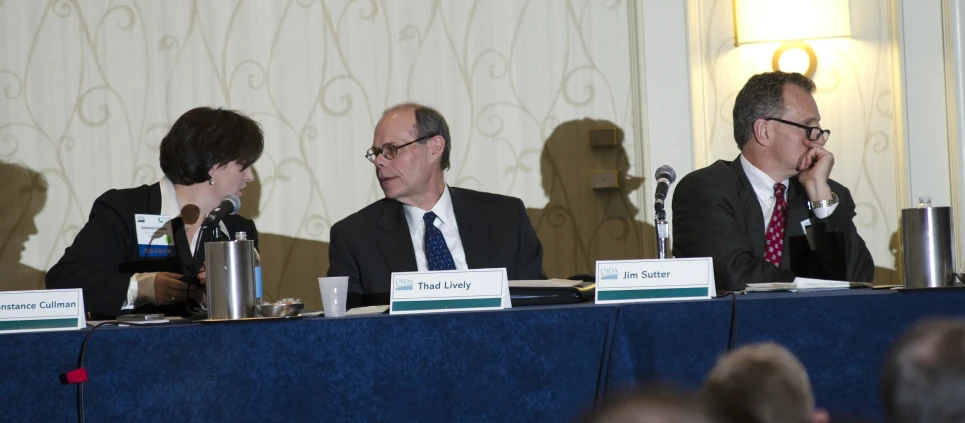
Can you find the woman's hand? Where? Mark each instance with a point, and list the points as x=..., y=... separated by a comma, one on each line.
x=169, y=289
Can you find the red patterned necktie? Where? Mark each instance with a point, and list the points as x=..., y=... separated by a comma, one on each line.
x=775, y=229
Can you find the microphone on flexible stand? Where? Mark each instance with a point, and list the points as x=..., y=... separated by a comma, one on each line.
x=665, y=176
x=230, y=204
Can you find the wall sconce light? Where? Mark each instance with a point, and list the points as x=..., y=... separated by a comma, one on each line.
x=791, y=22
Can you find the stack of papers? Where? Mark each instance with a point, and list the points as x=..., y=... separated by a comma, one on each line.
x=805, y=284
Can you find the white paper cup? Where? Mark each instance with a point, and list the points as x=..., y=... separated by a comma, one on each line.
x=334, y=293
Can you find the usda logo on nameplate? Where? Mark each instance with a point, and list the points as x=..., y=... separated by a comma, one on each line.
x=403, y=285
x=626, y=281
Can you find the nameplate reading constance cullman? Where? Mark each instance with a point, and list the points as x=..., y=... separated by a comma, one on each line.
x=450, y=290
x=42, y=310
x=627, y=281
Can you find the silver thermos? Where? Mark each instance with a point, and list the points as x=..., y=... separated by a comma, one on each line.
x=927, y=249
x=230, y=285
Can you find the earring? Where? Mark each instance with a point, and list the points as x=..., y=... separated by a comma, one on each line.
x=211, y=181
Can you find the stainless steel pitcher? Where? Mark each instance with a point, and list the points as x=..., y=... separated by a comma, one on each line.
x=230, y=285
x=927, y=248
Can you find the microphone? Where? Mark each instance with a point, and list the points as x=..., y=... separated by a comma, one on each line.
x=665, y=176
x=230, y=204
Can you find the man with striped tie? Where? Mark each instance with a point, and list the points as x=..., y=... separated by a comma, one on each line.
x=773, y=213
x=422, y=224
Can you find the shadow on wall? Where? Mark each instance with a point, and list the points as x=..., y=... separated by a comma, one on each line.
x=290, y=266
x=579, y=224
x=896, y=276
x=23, y=193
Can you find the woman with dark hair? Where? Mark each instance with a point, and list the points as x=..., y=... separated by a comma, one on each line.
x=142, y=248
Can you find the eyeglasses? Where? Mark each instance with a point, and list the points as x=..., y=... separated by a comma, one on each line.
x=390, y=151
x=814, y=132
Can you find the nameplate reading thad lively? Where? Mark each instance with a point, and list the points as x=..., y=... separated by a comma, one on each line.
x=448, y=290
x=42, y=310
x=628, y=281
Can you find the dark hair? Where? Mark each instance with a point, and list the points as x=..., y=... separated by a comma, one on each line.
x=428, y=121
x=204, y=138
x=924, y=374
x=759, y=383
x=653, y=404
x=763, y=97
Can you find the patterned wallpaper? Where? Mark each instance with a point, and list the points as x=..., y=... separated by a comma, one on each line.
x=90, y=87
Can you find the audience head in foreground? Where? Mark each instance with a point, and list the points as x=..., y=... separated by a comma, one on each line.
x=760, y=383
x=651, y=406
x=924, y=375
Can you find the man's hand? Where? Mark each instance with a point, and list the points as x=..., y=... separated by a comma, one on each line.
x=168, y=289
x=815, y=167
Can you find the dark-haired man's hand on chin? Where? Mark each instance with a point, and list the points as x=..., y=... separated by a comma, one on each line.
x=815, y=167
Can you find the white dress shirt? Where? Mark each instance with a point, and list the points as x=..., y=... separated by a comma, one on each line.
x=445, y=221
x=764, y=188
x=140, y=290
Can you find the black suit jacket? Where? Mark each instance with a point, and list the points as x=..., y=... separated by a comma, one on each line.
x=374, y=242
x=717, y=214
x=105, y=255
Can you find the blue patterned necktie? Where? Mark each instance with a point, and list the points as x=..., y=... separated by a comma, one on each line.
x=438, y=256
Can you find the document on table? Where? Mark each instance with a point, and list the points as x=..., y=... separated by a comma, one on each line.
x=135, y=322
x=805, y=284
x=548, y=283
x=358, y=311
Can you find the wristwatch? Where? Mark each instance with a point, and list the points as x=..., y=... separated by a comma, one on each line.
x=823, y=203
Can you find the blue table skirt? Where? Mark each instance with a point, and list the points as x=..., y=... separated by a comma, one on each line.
x=541, y=364
x=842, y=337
x=526, y=364
x=671, y=342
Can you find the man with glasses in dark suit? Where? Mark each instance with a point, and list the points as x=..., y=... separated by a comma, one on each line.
x=422, y=224
x=773, y=213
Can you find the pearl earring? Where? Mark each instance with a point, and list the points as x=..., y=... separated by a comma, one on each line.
x=211, y=181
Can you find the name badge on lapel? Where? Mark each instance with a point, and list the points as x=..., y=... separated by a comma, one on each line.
x=154, y=235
